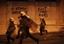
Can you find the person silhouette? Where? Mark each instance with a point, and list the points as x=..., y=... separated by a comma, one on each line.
x=26, y=27
x=11, y=28
x=42, y=26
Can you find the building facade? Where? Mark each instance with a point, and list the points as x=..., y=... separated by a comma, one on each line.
x=52, y=12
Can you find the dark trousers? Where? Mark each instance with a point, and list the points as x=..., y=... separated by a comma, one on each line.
x=42, y=29
x=8, y=35
x=27, y=35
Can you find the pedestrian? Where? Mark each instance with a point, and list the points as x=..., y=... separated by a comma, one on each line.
x=11, y=28
x=26, y=27
x=42, y=26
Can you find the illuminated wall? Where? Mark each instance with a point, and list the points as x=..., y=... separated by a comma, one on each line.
x=34, y=9
x=53, y=17
x=3, y=23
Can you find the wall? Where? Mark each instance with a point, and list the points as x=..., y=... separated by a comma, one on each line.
x=3, y=23
x=54, y=18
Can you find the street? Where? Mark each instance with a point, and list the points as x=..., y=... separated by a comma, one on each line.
x=56, y=38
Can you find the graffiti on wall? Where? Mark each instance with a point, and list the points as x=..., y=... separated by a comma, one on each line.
x=42, y=11
x=16, y=10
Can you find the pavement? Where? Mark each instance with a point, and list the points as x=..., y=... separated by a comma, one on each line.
x=49, y=38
